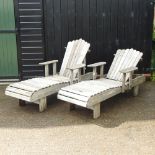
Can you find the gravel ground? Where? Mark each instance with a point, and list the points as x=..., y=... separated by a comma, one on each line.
x=126, y=127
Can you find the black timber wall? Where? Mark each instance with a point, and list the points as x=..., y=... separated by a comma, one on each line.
x=31, y=40
x=107, y=24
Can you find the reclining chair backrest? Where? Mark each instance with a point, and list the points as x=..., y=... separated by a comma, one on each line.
x=75, y=54
x=122, y=60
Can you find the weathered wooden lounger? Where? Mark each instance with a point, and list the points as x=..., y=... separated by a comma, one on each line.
x=37, y=89
x=120, y=78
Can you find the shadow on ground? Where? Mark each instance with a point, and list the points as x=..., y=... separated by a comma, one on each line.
x=114, y=112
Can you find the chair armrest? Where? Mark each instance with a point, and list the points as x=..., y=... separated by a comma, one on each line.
x=76, y=67
x=79, y=67
x=97, y=64
x=94, y=66
x=128, y=70
x=46, y=64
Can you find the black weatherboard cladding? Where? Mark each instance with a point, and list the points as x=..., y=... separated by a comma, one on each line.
x=31, y=37
x=106, y=24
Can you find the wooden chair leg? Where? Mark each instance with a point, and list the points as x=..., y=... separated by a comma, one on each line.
x=42, y=104
x=96, y=111
x=22, y=103
x=72, y=107
x=136, y=90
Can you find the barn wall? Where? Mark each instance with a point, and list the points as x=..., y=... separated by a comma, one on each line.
x=30, y=25
x=106, y=24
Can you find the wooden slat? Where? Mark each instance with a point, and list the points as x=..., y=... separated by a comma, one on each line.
x=138, y=80
x=26, y=92
x=123, y=64
x=116, y=58
x=89, y=100
x=43, y=82
x=77, y=56
x=84, y=51
x=102, y=96
x=96, y=64
x=58, y=78
x=119, y=64
x=15, y=95
x=66, y=57
x=66, y=72
x=23, y=86
x=129, y=63
x=74, y=101
x=78, y=66
x=90, y=88
x=81, y=99
x=133, y=63
x=130, y=69
x=110, y=82
x=87, y=76
x=75, y=53
x=48, y=62
x=19, y=91
x=41, y=93
x=112, y=92
x=123, y=59
x=82, y=56
x=74, y=96
x=34, y=83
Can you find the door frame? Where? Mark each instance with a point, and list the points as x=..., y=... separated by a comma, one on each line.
x=17, y=26
x=15, y=78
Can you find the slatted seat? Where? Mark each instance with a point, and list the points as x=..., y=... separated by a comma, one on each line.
x=83, y=91
x=91, y=88
x=89, y=94
x=30, y=89
x=37, y=89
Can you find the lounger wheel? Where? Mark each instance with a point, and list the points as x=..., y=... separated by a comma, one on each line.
x=22, y=103
x=135, y=90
